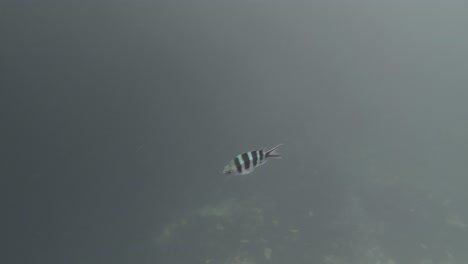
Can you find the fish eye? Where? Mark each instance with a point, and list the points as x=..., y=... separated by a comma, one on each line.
x=228, y=172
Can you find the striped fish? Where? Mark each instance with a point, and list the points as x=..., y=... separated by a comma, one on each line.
x=245, y=163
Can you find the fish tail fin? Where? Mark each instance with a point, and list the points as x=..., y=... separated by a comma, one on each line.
x=272, y=152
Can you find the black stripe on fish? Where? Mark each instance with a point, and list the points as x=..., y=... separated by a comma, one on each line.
x=245, y=158
x=254, y=157
x=261, y=155
x=238, y=164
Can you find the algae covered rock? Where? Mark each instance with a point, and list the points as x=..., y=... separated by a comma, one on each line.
x=228, y=231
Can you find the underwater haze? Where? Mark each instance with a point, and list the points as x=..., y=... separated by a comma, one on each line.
x=118, y=118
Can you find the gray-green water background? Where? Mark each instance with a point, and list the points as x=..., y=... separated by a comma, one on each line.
x=118, y=117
